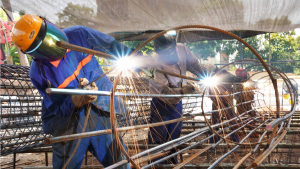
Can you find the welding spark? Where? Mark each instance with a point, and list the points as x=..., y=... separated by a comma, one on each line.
x=125, y=63
x=247, y=84
x=210, y=81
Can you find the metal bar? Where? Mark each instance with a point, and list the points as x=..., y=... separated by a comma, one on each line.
x=108, y=93
x=230, y=166
x=14, y=159
x=116, y=165
x=220, y=146
x=187, y=148
x=260, y=158
x=241, y=161
x=177, y=75
x=108, y=131
x=112, y=57
x=85, y=50
x=46, y=158
x=258, y=132
x=235, y=148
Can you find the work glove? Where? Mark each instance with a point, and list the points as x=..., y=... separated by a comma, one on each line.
x=188, y=89
x=80, y=100
x=150, y=73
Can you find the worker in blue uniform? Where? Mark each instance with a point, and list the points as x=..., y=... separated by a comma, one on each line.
x=57, y=67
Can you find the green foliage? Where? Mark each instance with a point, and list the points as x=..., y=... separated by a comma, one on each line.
x=12, y=50
x=3, y=16
x=146, y=50
x=12, y=53
x=67, y=19
x=297, y=71
x=232, y=68
x=204, y=49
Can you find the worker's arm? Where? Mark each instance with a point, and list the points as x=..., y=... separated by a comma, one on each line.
x=93, y=39
x=192, y=63
x=59, y=105
x=161, y=86
x=104, y=43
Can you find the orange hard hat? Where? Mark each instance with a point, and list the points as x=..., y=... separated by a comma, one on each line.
x=37, y=37
x=26, y=30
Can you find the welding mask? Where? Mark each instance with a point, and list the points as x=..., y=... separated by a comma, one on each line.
x=165, y=47
x=37, y=37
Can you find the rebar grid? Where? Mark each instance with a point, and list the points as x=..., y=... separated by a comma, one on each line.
x=252, y=113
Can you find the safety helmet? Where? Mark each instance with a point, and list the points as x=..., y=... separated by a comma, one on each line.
x=37, y=37
x=165, y=47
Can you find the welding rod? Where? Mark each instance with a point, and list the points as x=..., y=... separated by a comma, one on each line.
x=67, y=45
x=112, y=57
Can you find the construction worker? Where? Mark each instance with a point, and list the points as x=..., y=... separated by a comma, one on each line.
x=175, y=58
x=223, y=105
x=245, y=98
x=56, y=67
x=246, y=94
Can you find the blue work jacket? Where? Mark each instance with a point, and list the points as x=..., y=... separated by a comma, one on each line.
x=66, y=72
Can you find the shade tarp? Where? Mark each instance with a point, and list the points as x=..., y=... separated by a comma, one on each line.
x=134, y=17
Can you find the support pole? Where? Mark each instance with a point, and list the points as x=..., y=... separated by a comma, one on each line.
x=14, y=161
x=46, y=158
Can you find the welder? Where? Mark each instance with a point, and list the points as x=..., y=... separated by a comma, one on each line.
x=57, y=67
x=177, y=58
x=223, y=105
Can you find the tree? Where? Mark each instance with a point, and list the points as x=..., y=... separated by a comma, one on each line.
x=74, y=13
x=146, y=50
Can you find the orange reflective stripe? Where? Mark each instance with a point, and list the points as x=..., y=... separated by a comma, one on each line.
x=76, y=72
x=56, y=62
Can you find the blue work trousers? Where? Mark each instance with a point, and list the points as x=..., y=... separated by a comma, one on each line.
x=161, y=111
x=103, y=147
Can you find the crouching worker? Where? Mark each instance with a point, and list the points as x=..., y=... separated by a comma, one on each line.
x=245, y=98
x=56, y=67
x=222, y=105
x=178, y=59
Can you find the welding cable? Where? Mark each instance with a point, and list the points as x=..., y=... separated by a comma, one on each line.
x=88, y=112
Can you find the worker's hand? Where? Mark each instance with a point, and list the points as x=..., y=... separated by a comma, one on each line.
x=150, y=73
x=80, y=100
x=188, y=89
